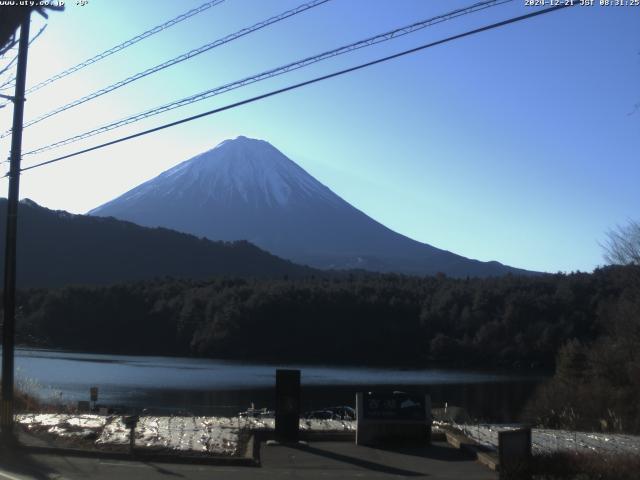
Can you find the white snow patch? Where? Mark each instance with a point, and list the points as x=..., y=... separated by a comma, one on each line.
x=195, y=434
x=547, y=440
x=251, y=170
x=214, y=435
x=64, y=425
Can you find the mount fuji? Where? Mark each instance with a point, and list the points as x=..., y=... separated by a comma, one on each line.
x=246, y=189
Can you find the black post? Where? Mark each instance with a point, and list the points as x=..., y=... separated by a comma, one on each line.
x=8, y=329
x=130, y=421
x=287, y=405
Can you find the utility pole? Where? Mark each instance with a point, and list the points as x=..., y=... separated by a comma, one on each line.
x=8, y=328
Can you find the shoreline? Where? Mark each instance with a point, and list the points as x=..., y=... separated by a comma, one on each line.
x=526, y=373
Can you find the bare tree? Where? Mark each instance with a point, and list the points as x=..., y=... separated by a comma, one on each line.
x=622, y=246
x=8, y=82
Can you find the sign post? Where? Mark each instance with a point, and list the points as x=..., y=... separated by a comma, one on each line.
x=93, y=396
x=130, y=421
x=287, y=405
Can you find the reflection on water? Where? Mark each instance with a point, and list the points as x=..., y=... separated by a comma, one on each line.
x=217, y=387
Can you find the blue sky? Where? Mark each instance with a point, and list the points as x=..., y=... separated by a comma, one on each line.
x=516, y=145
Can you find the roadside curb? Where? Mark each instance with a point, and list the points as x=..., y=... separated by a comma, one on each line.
x=250, y=458
x=458, y=440
x=311, y=436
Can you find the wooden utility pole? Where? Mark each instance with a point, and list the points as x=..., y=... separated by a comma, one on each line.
x=8, y=328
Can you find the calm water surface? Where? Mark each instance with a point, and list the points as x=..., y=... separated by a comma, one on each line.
x=218, y=387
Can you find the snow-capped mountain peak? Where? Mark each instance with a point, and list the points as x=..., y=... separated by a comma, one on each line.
x=246, y=189
x=243, y=168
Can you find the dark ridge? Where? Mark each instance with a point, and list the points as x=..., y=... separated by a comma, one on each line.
x=58, y=248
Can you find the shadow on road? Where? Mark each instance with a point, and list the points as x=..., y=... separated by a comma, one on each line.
x=432, y=452
x=18, y=462
x=358, y=462
x=162, y=471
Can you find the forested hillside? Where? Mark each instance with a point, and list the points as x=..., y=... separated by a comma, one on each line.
x=58, y=248
x=368, y=319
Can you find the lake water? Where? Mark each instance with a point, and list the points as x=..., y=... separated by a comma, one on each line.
x=218, y=387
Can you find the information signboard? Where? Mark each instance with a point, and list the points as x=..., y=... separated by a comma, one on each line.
x=394, y=406
x=391, y=417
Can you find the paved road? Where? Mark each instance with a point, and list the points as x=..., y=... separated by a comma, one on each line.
x=318, y=460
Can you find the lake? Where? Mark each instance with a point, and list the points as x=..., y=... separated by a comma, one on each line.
x=219, y=387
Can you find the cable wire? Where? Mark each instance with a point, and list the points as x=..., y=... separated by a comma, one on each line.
x=7, y=84
x=128, y=43
x=271, y=73
x=8, y=65
x=181, y=58
x=11, y=42
x=303, y=84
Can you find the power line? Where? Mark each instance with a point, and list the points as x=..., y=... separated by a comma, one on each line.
x=305, y=83
x=123, y=45
x=8, y=65
x=181, y=58
x=40, y=32
x=7, y=84
x=128, y=43
x=10, y=83
x=383, y=37
x=11, y=42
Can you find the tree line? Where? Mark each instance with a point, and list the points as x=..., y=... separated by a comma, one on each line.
x=596, y=385
x=586, y=326
x=363, y=319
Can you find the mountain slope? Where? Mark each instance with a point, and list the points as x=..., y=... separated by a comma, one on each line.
x=57, y=248
x=247, y=189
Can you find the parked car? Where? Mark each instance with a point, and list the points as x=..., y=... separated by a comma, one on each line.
x=332, y=413
x=343, y=413
x=319, y=415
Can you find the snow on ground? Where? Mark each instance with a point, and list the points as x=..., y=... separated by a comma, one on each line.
x=547, y=440
x=315, y=425
x=64, y=425
x=214, y=435
x=221, y=435
x=195, y=434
